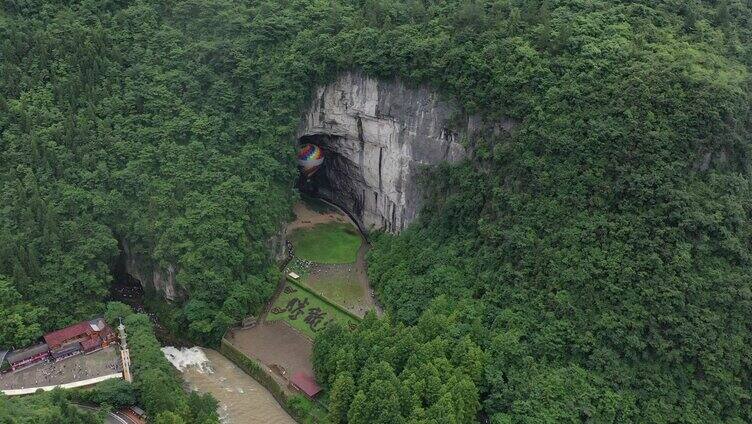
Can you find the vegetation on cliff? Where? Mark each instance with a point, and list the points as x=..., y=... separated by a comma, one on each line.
x=606, y=242
x=135, y=123
x=601, y=249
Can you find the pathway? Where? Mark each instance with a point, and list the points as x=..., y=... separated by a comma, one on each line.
x=361, y=268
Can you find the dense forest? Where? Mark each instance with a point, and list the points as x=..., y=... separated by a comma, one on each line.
x=591, y=266
x=47, y=408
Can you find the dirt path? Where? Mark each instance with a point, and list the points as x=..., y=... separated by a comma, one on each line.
x=268, y=306
x=305, y=217
x=275, y=343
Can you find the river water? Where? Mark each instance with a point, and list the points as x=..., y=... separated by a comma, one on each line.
x=242, y=400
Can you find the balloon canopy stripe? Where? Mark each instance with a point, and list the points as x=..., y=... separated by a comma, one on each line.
x=310, y=158
x=310, y=152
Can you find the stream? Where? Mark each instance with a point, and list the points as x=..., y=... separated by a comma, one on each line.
x=242, y=400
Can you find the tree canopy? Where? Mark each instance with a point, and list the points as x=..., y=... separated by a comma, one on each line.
x=45, y=408
x=601, y=246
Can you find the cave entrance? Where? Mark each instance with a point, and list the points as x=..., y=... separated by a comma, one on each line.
x=126, y=288
x=336, y=180
x=318, y=184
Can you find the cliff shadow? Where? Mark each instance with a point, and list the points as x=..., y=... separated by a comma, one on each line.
x=125, y=287
x=337, y=180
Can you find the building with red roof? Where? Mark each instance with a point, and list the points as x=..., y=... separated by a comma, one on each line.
x=86, y=336
x=91, y=345
x=305, y=383
x=75, y=332
x=29, y=356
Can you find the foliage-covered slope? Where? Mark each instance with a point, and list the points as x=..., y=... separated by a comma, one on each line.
x=605, y=242
x=608, y=238
x=119, y=127
x=44, y=408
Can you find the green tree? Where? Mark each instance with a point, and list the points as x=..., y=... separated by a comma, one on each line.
x=340, y=398
x=115, y=311
x=168, y=418
x=21, y=320
x=116, y=393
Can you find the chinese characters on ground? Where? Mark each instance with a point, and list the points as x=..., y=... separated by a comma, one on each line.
x=296, y=308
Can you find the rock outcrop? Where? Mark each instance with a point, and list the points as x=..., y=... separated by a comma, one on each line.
x=161, y=280
x=377, y=135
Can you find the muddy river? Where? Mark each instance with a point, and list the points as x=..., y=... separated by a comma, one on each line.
x=242, y=400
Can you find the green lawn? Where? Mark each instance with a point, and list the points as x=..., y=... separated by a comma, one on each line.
x=306, y=312
x=329, y=243
x=339, y=288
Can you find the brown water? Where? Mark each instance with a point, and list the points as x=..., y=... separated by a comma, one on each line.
x=242, y=400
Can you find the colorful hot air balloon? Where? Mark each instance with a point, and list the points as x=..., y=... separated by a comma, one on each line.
x=310, y=158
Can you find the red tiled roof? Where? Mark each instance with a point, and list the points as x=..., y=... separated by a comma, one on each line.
x=58, y=337
x=306, y=383
x=91, y=343
x=107, y=333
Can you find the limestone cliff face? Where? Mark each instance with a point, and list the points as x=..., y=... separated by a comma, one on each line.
x=377, y=135
x=161, y=280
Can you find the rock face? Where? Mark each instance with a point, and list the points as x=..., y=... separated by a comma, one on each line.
x=161, y=280
x=377, y=135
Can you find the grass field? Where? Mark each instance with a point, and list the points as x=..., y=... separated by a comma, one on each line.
x=337, y=283
x=328, y=243
x=338, y=286
x=305, y=312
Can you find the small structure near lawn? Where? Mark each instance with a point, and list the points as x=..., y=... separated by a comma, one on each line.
x=305, y=383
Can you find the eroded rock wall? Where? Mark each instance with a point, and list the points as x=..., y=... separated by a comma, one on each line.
x=377, y=136
x=161, y=280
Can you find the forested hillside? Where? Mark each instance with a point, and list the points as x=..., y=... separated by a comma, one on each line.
x=607, y=241
x=44, y=408
x=131, y=122
x=597, y=257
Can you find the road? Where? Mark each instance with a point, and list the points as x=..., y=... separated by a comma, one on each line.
x=111, y=418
